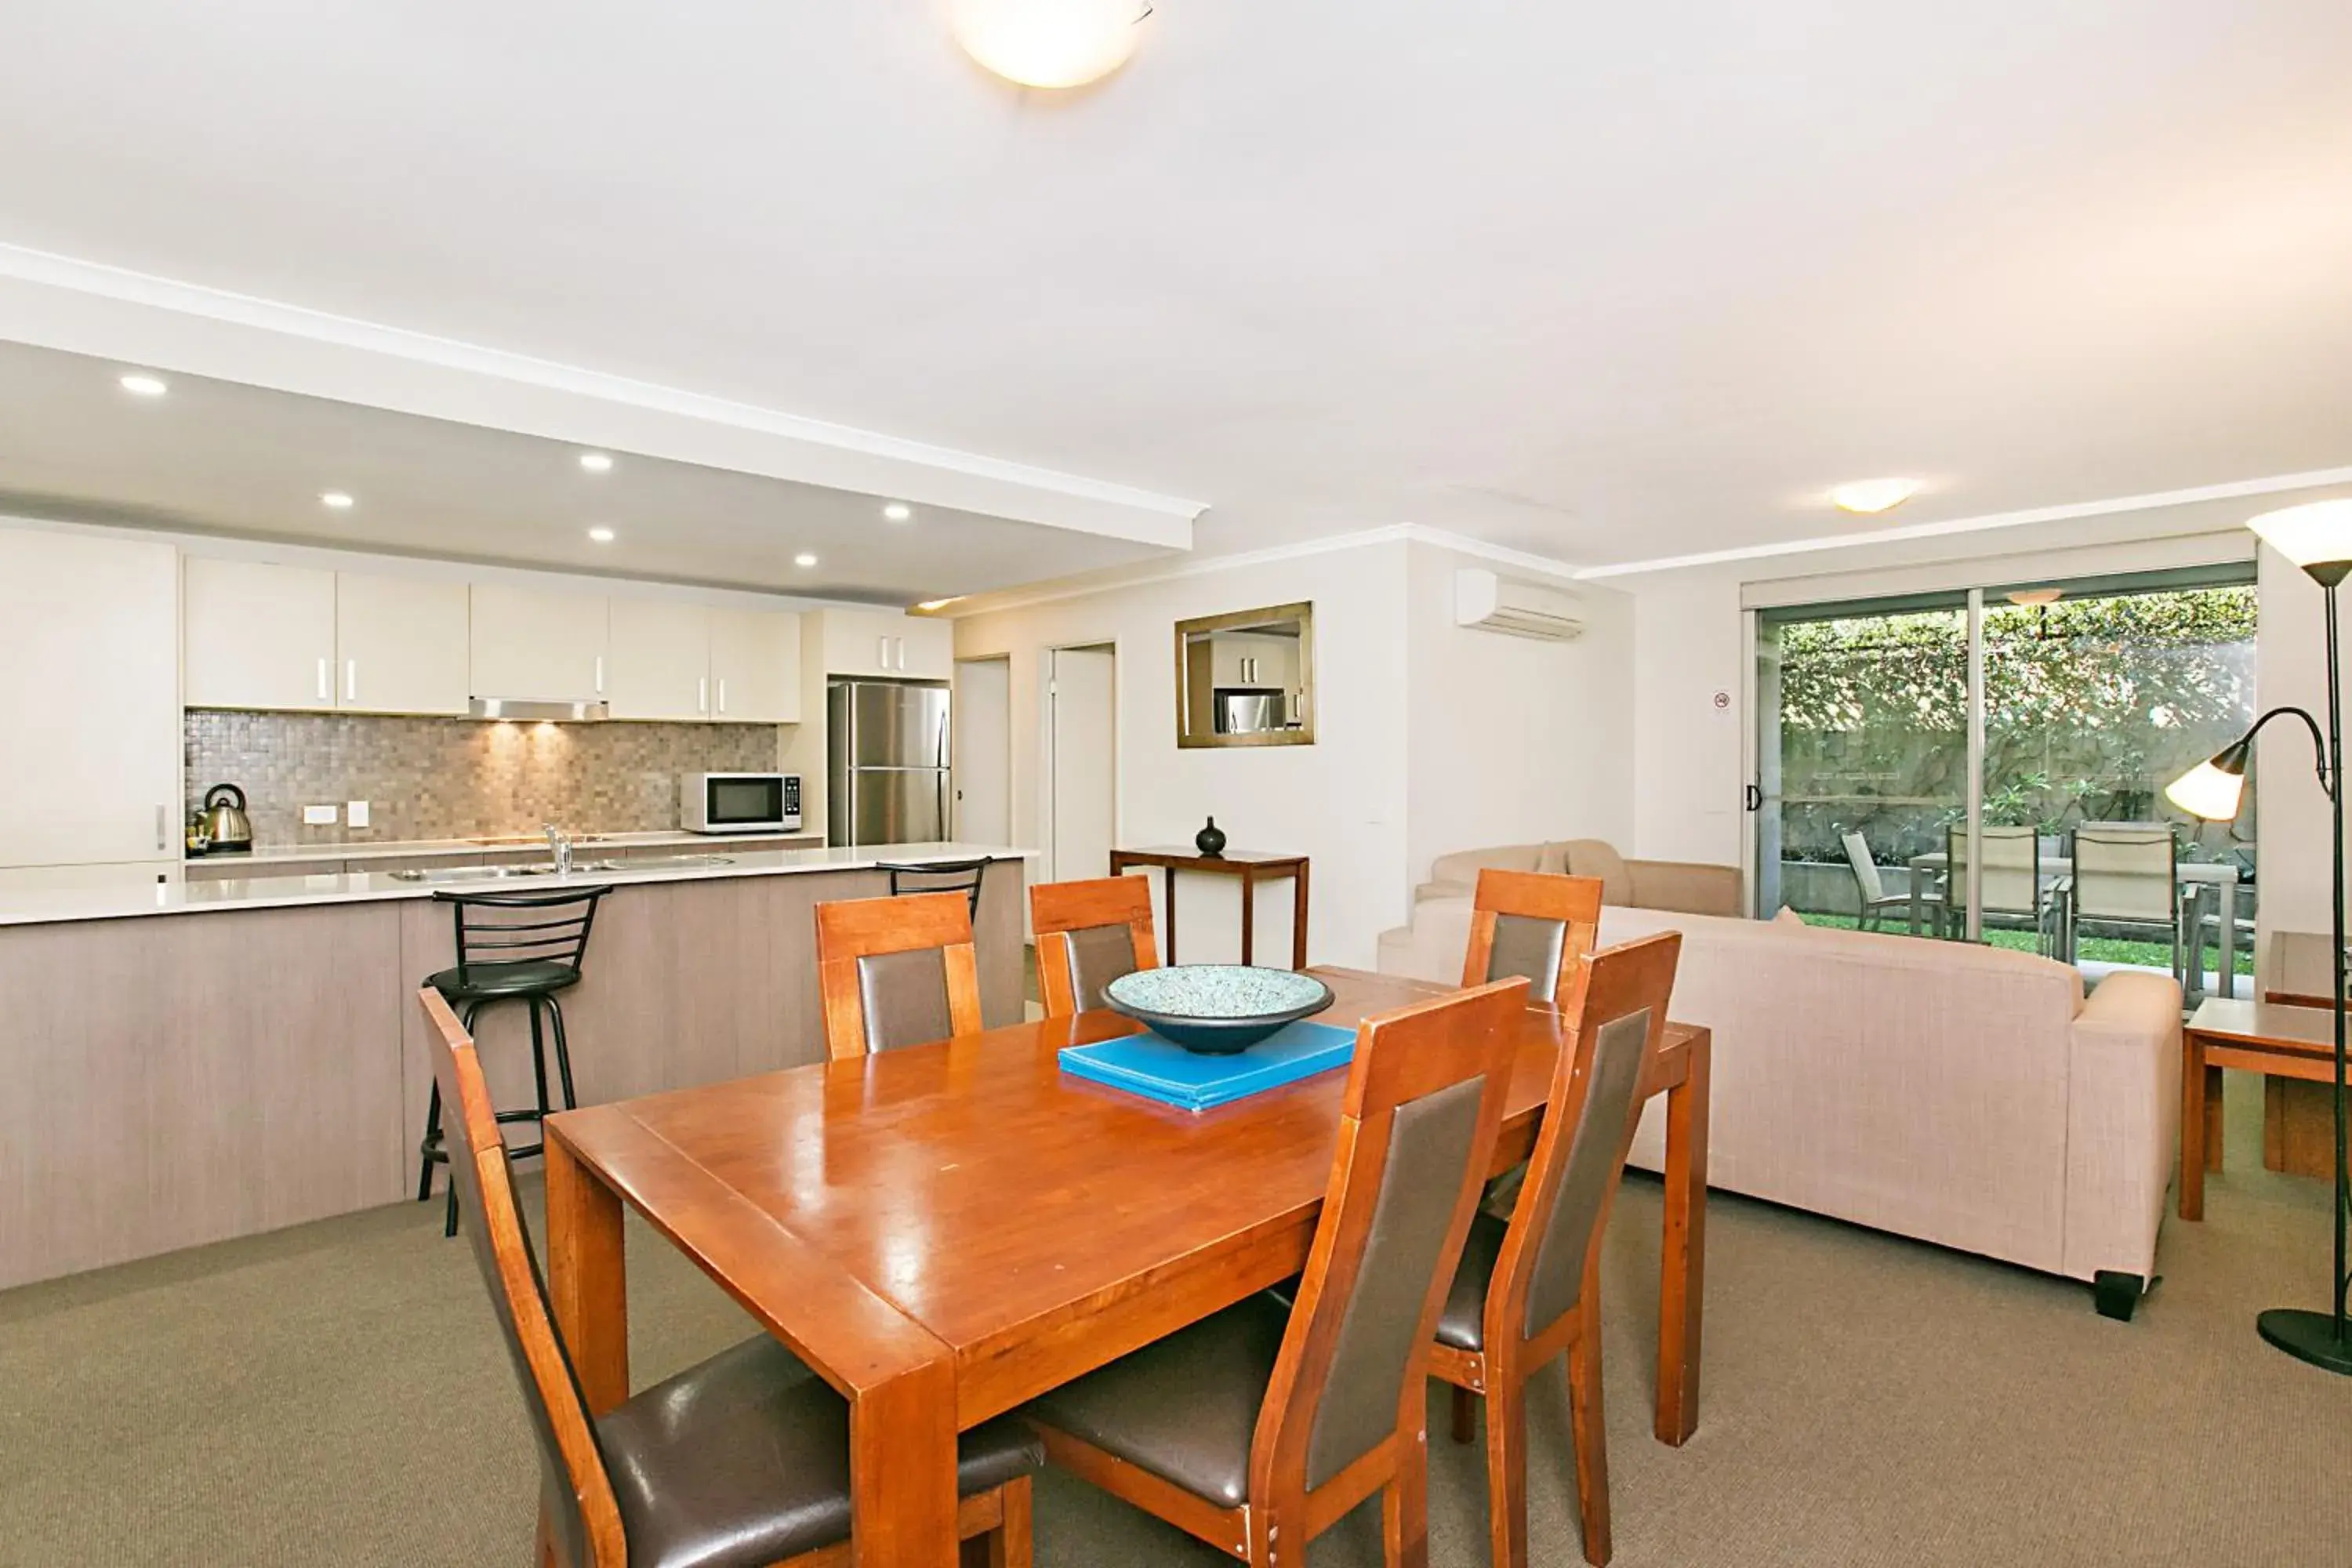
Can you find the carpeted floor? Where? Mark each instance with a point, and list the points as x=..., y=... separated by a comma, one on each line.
x=334, y=1396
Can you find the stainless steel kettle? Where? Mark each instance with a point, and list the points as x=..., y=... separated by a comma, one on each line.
x=225, y=816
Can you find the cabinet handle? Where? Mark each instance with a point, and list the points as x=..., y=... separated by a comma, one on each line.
x=163, y=818
x=882, y=652
x=898, y=650
x=350, y=681
x=325, y=693
x=702, y=695
x=722, y=694
x=600, y=675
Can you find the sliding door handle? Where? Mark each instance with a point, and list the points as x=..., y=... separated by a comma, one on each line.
x=1752, y=796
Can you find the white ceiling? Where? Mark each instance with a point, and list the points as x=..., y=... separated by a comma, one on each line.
x=216, y=456
x=1602, y=283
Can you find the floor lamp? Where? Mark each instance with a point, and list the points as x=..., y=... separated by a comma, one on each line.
x=2317, y=538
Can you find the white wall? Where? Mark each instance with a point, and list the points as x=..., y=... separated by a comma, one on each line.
x=1508, y=740
x=1690, y=645
x=1340, y=801
x=2291, y=669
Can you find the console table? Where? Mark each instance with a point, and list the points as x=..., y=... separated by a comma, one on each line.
x=1251, y=865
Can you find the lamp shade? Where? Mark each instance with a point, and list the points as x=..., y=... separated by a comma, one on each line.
x=1048, y=43
x=2314, y=536
x=2212, y=789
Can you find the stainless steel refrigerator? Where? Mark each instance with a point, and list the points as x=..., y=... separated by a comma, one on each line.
x=887, y=767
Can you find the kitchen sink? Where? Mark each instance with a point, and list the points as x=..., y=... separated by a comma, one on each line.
x=657, y=862
x=499, y=873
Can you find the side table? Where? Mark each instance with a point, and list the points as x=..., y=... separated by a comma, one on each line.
x=1251, y=865
x=2273, y=1038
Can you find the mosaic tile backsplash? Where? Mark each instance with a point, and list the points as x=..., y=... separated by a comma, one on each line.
x=452, y=778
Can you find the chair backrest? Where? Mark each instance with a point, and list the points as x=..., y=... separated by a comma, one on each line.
x=2126, y=871
x=1866, y=870
x=939, y=877
x=2012, y=869
x=895, y=971
x=1089, y=935
x=1417, y=1130
x=543, y=925
x=1534, y=926
x=576, y=1492
x=1541, y=1273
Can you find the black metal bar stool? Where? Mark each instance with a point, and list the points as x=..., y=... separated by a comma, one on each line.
x=511, y=947
x=938, y=877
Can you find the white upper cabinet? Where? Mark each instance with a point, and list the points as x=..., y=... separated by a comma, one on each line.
x=660, y=660
x=91, y=687
x=538, y=646
x=880, y=642
x=259, y=636
x=400, y=645
x=755, y=667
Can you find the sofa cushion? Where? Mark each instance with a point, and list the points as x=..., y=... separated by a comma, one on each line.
x=1595, y=857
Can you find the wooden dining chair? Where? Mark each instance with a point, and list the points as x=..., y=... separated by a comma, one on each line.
x=1258, y=1427
x=741, y=1461
x=1528, y=1291
x=895, y=971
x=1089, y=935
x=1534, y=926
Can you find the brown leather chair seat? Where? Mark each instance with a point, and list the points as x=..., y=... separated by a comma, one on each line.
x=1185, y=1407
x=1461, y=1323
x=744, y=1460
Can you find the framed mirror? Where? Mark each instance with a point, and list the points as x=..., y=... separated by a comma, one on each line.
x=1246, y=678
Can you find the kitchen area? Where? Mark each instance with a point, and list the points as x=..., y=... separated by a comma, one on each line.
x=246, y=773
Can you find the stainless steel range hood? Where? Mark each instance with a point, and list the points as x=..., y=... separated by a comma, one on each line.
x=525, y=710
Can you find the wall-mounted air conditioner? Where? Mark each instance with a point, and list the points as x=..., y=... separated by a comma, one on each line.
x=1493, y=604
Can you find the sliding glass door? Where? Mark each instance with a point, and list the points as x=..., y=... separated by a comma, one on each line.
x=2087, y=697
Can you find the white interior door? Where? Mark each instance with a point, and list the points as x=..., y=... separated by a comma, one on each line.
x=983, y=739
x=1085, y=750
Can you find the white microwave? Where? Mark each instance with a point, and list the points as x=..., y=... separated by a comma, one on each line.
x=739, y=803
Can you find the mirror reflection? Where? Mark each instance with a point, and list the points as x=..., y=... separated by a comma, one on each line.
x=1246, y=678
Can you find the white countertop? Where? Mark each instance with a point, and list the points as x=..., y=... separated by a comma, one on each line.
x=119, y=896
x=589, y=846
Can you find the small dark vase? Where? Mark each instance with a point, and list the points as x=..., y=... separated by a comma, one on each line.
x=1211, y=840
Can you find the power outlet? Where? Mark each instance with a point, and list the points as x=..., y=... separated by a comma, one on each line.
x=317, y=816
x=355, y=813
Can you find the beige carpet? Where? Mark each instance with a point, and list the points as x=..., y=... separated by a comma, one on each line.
x=334, y=1396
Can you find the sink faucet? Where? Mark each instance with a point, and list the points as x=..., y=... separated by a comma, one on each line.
x=558, y=844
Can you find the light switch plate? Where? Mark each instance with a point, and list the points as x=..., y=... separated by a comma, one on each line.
x=355, y=813
x=318, y=816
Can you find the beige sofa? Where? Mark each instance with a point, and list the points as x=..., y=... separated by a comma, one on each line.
x=1639, y=884
x=1968, y=1096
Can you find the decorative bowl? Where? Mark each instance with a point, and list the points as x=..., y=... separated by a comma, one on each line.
x=1216, y=1009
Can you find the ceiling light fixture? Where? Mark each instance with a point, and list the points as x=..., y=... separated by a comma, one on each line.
x=1867, y=496
x=804, y=559
x=2036, y=598
x=596, y=462
x=335, y=498
x=144, y=385
x=600, y=535
x=1049, y=43
x=937, y=603
x=897, y=511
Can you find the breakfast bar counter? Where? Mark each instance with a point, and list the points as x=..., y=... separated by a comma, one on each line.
x=258, y=1061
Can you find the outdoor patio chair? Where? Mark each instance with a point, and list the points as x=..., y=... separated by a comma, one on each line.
x=2013, y=887
x=2125, y=877
x=1877, y=903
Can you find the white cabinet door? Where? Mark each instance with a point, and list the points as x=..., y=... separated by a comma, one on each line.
x=755, y=667
x=258, y=635
x=536, y=645
x=660, y=660
x=877, y=642
x=400, y=645
x=90, y=686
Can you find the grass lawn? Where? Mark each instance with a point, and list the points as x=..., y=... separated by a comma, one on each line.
x=2099, y=948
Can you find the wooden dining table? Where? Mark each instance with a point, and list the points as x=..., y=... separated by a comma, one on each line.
x=945, y=1231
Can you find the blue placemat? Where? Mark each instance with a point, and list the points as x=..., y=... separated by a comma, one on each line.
x=1149, y=1065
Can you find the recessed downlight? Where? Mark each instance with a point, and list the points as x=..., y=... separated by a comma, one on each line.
x=600, y=535
x=144, y=385
x=339, y=501
x=596, y=462
x=804, y=559
x=897, y=511
x=1868, y=496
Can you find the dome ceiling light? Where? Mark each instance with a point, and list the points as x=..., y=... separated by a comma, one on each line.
x=1049, y=43
x=1869, y=496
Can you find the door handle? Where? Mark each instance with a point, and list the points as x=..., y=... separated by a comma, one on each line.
x=1752, y=796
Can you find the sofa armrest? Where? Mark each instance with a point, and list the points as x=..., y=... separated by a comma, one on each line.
x=1687, y=887
x=2123, y=1122
x=1456, y=875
